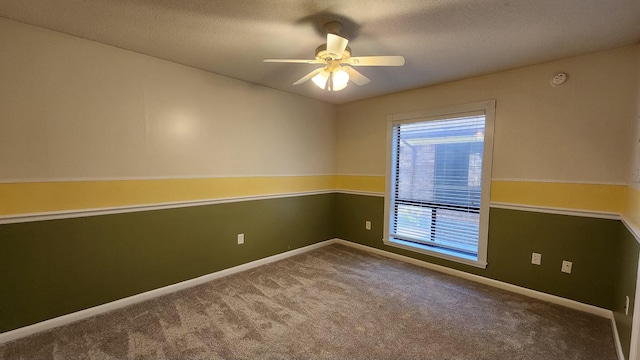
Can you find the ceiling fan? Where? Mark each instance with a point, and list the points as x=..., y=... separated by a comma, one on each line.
x=335, y=56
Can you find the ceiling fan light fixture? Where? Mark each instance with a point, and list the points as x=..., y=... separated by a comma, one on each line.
x=335, y=56
x=332, y=80
x=321, y=79
x=339, y=79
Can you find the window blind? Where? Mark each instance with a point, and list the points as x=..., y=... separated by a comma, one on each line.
x=436, y=174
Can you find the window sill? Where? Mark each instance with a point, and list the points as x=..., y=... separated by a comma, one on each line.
x=439, y=253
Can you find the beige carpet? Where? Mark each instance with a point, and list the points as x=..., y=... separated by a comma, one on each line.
x=331, y=303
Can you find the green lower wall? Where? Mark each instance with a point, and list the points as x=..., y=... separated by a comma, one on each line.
x=513, y=235
x=624, y=284
x=604, y=253
x=56, y=267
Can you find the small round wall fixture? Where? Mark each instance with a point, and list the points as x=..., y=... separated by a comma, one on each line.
x=559, y=79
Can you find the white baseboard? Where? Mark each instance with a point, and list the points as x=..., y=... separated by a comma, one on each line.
x=483, y=280
x=501, y=285
x=100, y=309
x=616, y=338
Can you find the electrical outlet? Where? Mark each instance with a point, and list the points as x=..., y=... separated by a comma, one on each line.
x=566, y=266
x=367, y=225
x=536, y=258
x=626, y=306
x=240, y=239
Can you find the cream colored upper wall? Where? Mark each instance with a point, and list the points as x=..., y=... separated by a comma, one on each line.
x=76, y=109
x=635, y=159
x=578, y=132
x=631, y=211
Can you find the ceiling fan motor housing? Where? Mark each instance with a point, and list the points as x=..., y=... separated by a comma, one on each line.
x=323, y=55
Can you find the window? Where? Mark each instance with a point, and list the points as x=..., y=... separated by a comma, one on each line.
x=438, y=181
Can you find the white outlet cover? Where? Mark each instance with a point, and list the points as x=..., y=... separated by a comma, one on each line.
x=536, y=258
x=566, y=266
x=240, y=239
x=367, y=225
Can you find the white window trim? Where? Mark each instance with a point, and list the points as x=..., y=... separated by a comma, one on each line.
x=487, y=107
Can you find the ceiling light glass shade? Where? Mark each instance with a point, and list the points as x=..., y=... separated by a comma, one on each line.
x=321, y=79
x=340, y=79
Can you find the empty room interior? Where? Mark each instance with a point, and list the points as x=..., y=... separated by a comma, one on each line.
x=425, y=179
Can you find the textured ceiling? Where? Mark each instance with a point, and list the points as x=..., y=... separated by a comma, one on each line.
x=442, y=40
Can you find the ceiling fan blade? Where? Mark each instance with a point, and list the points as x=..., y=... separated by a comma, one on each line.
x=308, y=76
x=376, y=61
x=294, y=61
x=356, y=76
x=336, y=45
